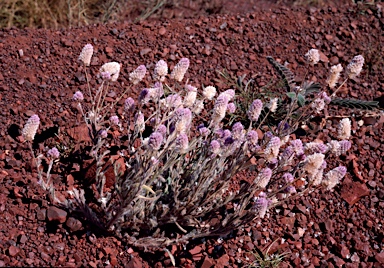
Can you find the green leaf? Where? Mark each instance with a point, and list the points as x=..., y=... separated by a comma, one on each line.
x=356, y=104
x=291, y=95
x=300, y=100
x=284, y=72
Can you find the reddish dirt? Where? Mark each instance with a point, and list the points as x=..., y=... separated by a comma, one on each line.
x=39, y=74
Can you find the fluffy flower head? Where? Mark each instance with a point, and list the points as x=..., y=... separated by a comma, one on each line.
x=255, y=110
x=272, y=149
x=312, y=56
x=344, y=129
x=231, y=107
x=318, y=105
x=161, y=70
x=182, y=143
x=53, y=153
x=273, y=105
x=129, y=105
x=355, y=66
x=137, y=75
x=334, y=176
x=78, y=96
x=180, y=69
x=263, y=177
x=220, y=107
x=215, y=147
x=209, y=92
x=155, y=140
x=114, y=120
x=313, y=163
x=335, y=75
x=190, y=98
x=30, y=128
x=113, y=68
x=86, y=54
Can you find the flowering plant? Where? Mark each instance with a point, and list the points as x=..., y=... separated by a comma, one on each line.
x=178, y=172
x=291, y=103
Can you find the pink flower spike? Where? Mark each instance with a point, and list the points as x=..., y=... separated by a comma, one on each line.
x=78, y=96
x=114, y=120
x=255, y=110
x=129, y=105
x=53, y=153
x=155, y=140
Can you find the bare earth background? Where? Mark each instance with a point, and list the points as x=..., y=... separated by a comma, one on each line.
x=39, y=73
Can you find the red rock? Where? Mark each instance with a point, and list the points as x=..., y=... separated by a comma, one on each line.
x=13, y=251
x=352, y=192
x=56, y=214
x=79, y=133
x=23, y=239
x=70, y=180
x=208, y=263
x=345, y=252
x=196, y=253
x=315, y=261
x=339, y=262
x=289, y=221
x=108, y=50
x=44, y=256
x=61, y=259
x=73, y=224
x=107, y=250
x=223, y=261
x=114, y=262
x=380, y=257
x=162, y=31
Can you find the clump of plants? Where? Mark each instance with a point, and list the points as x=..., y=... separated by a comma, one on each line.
x=175, y=181
x=292, y=104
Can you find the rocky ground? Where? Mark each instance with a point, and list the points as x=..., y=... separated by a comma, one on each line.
x=39, y=74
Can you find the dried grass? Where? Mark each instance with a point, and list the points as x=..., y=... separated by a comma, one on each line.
x=54, y=14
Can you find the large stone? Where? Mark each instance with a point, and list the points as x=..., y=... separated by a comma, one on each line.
x=13, y=251
x=352, y=192
x=56, y=214
x=79, y=133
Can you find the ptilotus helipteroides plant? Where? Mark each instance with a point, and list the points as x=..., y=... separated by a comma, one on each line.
x=181, y=156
